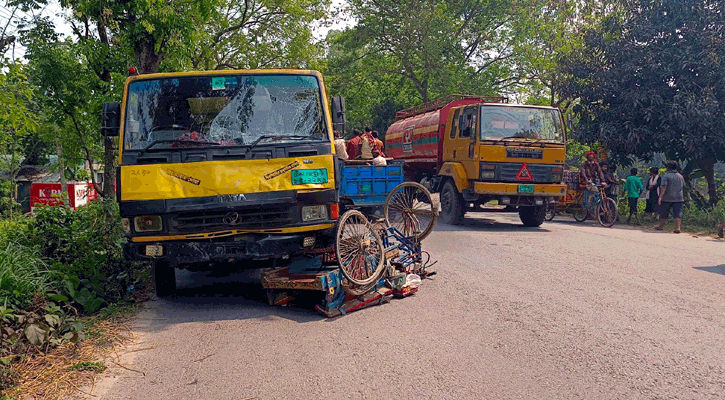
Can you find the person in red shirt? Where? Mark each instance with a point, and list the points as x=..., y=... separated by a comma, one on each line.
x=353, y=145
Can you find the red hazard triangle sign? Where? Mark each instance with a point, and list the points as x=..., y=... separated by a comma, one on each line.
x=524, y=174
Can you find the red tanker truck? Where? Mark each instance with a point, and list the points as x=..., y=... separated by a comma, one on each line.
x=475, y=149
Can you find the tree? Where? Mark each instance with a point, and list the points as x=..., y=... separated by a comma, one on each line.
x=439, y=46
x=16, y=123
x=259, y=34
x=651, y=80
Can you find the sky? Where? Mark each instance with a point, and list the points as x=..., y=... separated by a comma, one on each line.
x=58, y=15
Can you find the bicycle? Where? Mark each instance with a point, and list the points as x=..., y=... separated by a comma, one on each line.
x=364, y=249
x=604, y=208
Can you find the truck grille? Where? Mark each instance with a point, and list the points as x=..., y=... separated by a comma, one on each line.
x=525, y=153
x=506, y=172
x=265, y=217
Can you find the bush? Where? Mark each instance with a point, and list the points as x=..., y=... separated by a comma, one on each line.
x=23, y=274
x=709, y=217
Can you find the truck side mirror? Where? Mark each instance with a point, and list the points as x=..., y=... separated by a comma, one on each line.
x=338, y=114
x=569, y=123
x=111, y=119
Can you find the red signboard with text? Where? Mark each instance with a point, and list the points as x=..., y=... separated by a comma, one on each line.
x=79, y=194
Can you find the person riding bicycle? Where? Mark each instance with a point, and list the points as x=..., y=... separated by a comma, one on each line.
x=591, y=176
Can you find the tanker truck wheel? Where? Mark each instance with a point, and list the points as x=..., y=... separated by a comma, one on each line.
x=532, y=216
x=451, y=204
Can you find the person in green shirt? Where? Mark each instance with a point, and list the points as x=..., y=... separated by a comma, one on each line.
x=633, y=187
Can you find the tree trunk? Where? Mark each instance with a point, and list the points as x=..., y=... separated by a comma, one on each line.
x=109, y=167
x=63, y=183
x=708, y=169
x=148, y=59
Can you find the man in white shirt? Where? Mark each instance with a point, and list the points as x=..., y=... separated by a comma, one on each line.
x=340, y=147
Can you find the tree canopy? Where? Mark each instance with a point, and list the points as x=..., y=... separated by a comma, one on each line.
x=652, y=80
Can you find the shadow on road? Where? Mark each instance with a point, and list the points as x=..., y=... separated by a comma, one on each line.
x=718, y=269
x=487, y=224
x=205, y=296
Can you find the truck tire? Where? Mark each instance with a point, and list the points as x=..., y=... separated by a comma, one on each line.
x=452, y=210
x=532, y=216
x=165, y=278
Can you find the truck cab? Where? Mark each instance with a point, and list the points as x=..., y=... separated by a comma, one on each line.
x=220, y=166
x=513, y=154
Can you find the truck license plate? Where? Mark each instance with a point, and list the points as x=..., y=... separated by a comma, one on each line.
x=304, y=176
x=526, y=189
x=154, y=250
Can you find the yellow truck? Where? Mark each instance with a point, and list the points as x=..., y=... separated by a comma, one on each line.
x=476, y=149
x=222, y=166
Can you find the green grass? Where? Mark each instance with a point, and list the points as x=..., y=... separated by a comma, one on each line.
x=22, y=274
x=96, y=366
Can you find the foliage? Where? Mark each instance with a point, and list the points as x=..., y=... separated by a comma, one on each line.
x=651, y=80
x=439, y=47
x=16, y=123
x=258, y=34
x=23, y=274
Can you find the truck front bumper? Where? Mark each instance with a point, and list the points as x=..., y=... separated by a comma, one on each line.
x=256, y=246
x=512, y=189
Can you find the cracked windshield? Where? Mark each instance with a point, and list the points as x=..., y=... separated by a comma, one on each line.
x=521, y=122
x=234, y=110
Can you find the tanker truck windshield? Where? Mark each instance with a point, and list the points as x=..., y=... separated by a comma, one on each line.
x=521, y=122
x=222, y=111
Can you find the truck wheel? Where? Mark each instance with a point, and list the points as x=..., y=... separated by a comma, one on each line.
x=532, y=216
x=165, y=277
x=451, y=204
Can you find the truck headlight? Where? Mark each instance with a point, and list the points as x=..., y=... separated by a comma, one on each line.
x=557, y=175
x=488, y=172
x=148, y=223
x=313, y=213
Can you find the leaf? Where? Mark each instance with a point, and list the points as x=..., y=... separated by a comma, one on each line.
x=53, y=320
x=35, y=334
x=58, y=297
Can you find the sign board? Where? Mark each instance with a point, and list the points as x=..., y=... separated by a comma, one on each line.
x=49, y=194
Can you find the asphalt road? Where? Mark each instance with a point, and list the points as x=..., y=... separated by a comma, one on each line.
x=566, y=311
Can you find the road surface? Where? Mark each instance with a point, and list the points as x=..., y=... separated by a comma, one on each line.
x=566, y=311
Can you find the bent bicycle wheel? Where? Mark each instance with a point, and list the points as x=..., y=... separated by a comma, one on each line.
x=607, y=212
x=359, y=249
x=410, y=209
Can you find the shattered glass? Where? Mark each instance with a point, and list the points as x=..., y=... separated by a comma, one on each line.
x=233, y=110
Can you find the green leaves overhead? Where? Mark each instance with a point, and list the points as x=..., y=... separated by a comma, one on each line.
x=652, y=79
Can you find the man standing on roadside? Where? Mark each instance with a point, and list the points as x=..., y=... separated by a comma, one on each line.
x=633, y=187
x=671, y=196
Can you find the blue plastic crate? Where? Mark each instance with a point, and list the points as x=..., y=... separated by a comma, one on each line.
x=368, y=185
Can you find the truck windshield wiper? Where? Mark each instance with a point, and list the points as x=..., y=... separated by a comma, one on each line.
x=155, y=142
x=263, y=137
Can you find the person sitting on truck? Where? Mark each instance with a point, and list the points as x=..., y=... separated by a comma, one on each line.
x=353, y=145
x=368, y=146
x=379, y=142
x=340, y=146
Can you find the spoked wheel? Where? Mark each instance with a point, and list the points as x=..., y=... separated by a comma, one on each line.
x=607, y=212
x=550, y=212
x=580, y=213
x=409, y=208
x=359, y=249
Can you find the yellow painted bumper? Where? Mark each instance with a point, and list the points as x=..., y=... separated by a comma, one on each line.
x=512, y=189
x=232, y=232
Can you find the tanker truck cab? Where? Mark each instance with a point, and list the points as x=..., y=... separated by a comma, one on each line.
x=223, y=166
x=513, y=154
